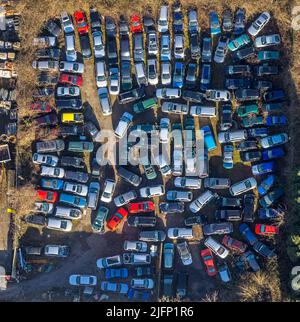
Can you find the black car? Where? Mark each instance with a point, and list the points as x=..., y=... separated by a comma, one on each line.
x=242, y=54
x=75, y=162
x=144, y=271
x=95, y=168
x=112, y=54
x=263, y=250
x=218, y=228
x=246, y=145
x=125, y=49
x=73, y=103
x=226, y=117
x=129, y=176
x=242, y=70
x=126, y=76
x=52, y=53
x=228, y=214
x=249, y=207
x=178, y=21
x=230, y=202
x=96, y=20
x=149, y=24
x=227, y=24
x=47, y=79
x=85, y=45
x=235, y=83
x=191, y=76
x=243, y=95
x=91, y=129
x=71, y=130
x=195, y=220
x=78, y=176
x=194, y=45
x=53, y=28
x=250, y=156
x=171, y=207
x=276, y=95
x=39, y=220
x=182, y=284
x=266, y=69
x=258, y=132
x=141, y=221
x=192, y=96
x=168, y=285
x=123, y=26
x=263, y=85
x=110, y=27
x=131, y=96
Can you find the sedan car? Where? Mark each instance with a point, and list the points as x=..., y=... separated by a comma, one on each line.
x=111, y=273
x=125, y=198
x=267, y=40
x=218, y=228
x=234, y=244
x=271, y=197
x=209, y=263
x=171, y=207
x=266, y=230
x=98, y=224
x=248, y=234
x=221, y=50
x=142, y=206
x=215, y=27
x=259, y=23
x=168, y=256
x=178, y=76
x=120, y=288
x=111, y=261
x=124, y=123
x=175, y=195
x=263, y=168
x=82, y=280
x=274, y=140
x=117, y=218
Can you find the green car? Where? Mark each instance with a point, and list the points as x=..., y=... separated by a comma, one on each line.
x=238, y=42
x=81, y=146
x=252, y=121
x=98, y=224
x=245, y=110
x=144, y=105
x=265, y=55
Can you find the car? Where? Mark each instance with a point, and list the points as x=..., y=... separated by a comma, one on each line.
x=216, y=247
x=266, y=55
x=66, y=22
x=228, y=214
x=230, y=202
x=227, y=24
x=165, y=48
x=168, y=285
x=263, y=85
x=45, y=159
x=72, y=67
x=111, y=51
x=275, y=95
x=108, y=190
x=177, y=20
x=152, y=191
x=178, y=76
x=228, y=156
x=234, y=244
x=264, y=250
x=266, y=70
x=224, y=273
x=142, y=206
x=136, y=246
x=239, y=21
x=191, y=75
x=193, y=25
x=164, y=130
x=59, y=224
x=246, y=145
x=42, y=41
x=206, y=55
x=263, y=168
x=175, y=108
x=54, y=172
x=236, y=83
x=206, y=197
x=232, y=136
x=111, y=261
x=144, y=105
x=120, y=288
x=152, y=43
x=141, y=271
x=110, y=27
x=67, y=91
x=274, y=140
x=180, y=233
x=125, y=49
x=218, y=95
x=257, y=132
x=72, y=118
x=271, y=197
x=248, y=234
x=162, y=22
x=179, y=46
x=241, y=70
x=81, y=146
x=50, y=146
x=141, y=221
x=73, y=200
x=39, y=220
x=93, y=195
x=125, y=198
x=43, y=207
x=249, y=259
x=186, y=182
x=45, y=79
x=139, y=295
x=176, y=195
x=168, y=93
x=72, y=162
x=152, y=72
x=69, y=103
x=142, y=283
x=166, y=77
x=81, y=22
x=195, y=46
x=267, y=40
x=205, y=80
x=76, y=176
x=239, y=42
x=114, y=80
x=273, y=153
x=98, y=224
x=270, y=213
x=57, y=251
x=221, y=50
x=123, y=26
x=95, y=19
x=266, y=185
x=259, y=23
x=192, y=96
x=276, y=120
x=266, y=230
x=152, y=236
x=85, y=46
x=168, y=255
x=82, y=280
x=218, y=228
x=171, y=207
x=45, y=65
x=182, y=285
x=214, y=23
x=41, y=107
x=126, y=76
x=209, y=140
x=184, y=253
x=249, y=207
x=163, y=164
x=217, y=183
x=129, y=177
x=55, y=184
x=69, y=79
x=149, y=171
x=111, y=273
x=226, y=117
x=135, y=24
x=243, y=186
x=105, y=102
x=123, y=125
x=243, y=54
x=243, y=95
x=49, y=196
x=136, y=259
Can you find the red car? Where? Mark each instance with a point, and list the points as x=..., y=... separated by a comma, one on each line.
x=266, y=230
x=208, y=260
x=81, y=22
x=48, y=119
x=135, y=24
x=49, y=196
x=234, y=244
x=143, y=206
x=70, y=79
x=117, y=218
x=41, y=107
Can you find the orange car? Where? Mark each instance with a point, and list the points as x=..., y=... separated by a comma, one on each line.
x=208, y=260
x=143, y=206
x=266, y=230
x=117, y=218
x=46, y=195
x=81, y=22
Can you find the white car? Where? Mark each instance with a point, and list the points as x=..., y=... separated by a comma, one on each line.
x=100, y=74
x=164, y=130
x=123, y=125
x=203, y=111
x=163, y=165
x=216, y=247
x=135, y=246
x=180, y=233
x=76, y=188
x=67, y=91
x=267, y=40
x=176, y=108
x=152, y=71
x=104, y=99
x=99, y=49
x=83, y=280
x=110, y=261
x=168, y=93
x=178, y=46
x=243, y=186
x=184, y=253
x=125, y=198
x=259, y=23
x=59, y=224
x=232, y=136
x=152, y=44
x=66, y=22
x=221, y=50
x=46, y=159
x=152, y=191
x=108, y=190
x=274, y=140
x=114, y=81
x=72, y=67
x=53, y=172
x=188, y=183
x=166, y=73
x=218, y=95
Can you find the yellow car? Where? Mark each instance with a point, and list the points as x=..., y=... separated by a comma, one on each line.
x=72, y=118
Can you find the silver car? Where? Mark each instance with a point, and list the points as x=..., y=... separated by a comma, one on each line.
x=104, y=99
x=99, y=49
x=221, y=50
x=217, y=183
x=267, y=40
x=125, y=198
x=184, y=253
x=166, y=73
x=93, y=195
x=175, y=195
x=72, y=67
x=188, y=183
x=152, y=44
x=108, y=190
x=77, y=188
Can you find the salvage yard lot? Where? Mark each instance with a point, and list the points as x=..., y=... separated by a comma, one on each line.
x=86, y=247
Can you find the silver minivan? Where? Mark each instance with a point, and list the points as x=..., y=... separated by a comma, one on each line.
x=68, y=213
x=71, y=54
x=162, y=22
x=202, y=200
x=101, y=74
x=140, y=74
x=203, y=111
x=138, y=47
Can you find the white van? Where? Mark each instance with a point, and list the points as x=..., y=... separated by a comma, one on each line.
x=202, y=200
x=101, y=74
x=68, y=213
x=140, y=74
x=203, y=111
x=59, y=224
x=216, y=247
x=163, y=19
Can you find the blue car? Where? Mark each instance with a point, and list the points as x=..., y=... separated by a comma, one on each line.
x=276, y=95
x=266, y=185
x=178, y=75
x=138, y=295
x=205, y=80
x=263, y=168
x=276, y=120
x=73, y=200
x=271, y=197
x=55, y=184
x=214, y=23
x=273, y=153
x=273, y=107
x=120, y=288
x=257, y=132
x=116, y=273
x=178, y=22
x=228, y=156
x=209, y=140
x=248, y=234
x=269, y=213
